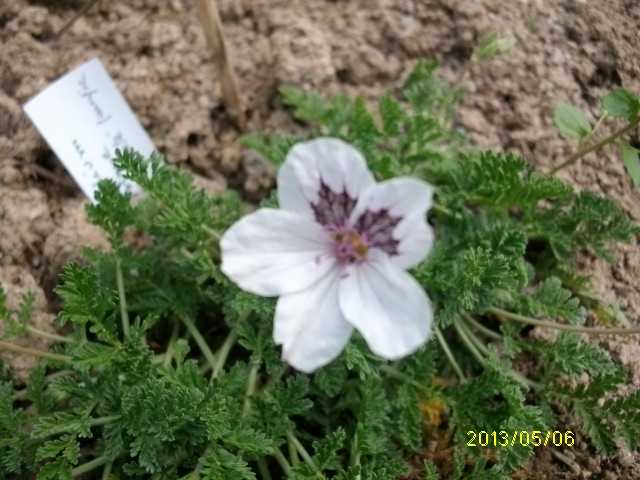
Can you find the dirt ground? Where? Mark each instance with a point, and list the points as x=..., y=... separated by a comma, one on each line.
x=567, y=50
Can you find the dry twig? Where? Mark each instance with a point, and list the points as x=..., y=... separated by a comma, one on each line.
x=210, y=18
x=83, y=11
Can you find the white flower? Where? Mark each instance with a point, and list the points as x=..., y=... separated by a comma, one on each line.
x=336, y=253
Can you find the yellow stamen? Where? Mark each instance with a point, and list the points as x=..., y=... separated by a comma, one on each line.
x=361, y=249
x=358, y=245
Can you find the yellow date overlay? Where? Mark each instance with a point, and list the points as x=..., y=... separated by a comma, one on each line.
x=523, y=438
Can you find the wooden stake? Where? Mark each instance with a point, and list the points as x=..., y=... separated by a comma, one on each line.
x=83, y=11
x=212, y=25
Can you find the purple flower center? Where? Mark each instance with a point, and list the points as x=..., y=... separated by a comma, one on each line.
x=372, y=229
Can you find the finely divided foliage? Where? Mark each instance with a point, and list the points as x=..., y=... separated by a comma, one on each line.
x=169, y=371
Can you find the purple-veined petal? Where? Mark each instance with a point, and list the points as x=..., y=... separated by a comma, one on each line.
x=387, y=306
x=310, y=326
x=271, y=252
x=330, y=160
x=406, y=200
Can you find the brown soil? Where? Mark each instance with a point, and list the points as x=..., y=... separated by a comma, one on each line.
x=567, y=50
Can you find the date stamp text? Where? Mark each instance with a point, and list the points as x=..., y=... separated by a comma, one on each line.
x=534, y=438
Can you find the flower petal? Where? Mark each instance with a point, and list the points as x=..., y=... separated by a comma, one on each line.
x=407, y=199
x=387, y=306
x=310, y=326
x=339, y=165
x=271, y=252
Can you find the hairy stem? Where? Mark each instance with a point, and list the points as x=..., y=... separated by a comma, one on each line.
x=395, y=373
x=223, y=353
x=48, y=335
x=449, y=354
x=524, y=381
x=263, y=469
x=168, y=355
x=481, y=328
x=93, y=422
x=251, y=386
x=293, y=453
x=87, y=467
x=585, y=151
x=200, y=341
x=436, y=207
x=479, y=344
x=502, y=314
x=354, y=454
x=468, y=343
x=305, y=455
x=481, y=348
x=281, y=459
x=215, y=234
x=32, y=351
x=106, y=473
x=124, y=313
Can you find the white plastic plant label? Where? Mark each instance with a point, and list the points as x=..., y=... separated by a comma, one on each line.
x=84, y=119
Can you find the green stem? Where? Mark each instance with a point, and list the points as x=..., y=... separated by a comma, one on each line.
x=355, y=451
x=95, y=422
x=32, y=351
x=468, y=343
x=394, y=372
x=274, y=378
x=585, y=151
x=436, y=207
x=251, y=386
x=48, y=335
x=474, y=339
x=124, y=313
x=524, y=381
x=212, y=232
x=449, y=354
x=502, y=314
x=200, y=341
x=168, y=355
x=106, y=473
x=481, y=328
x=281, y=459
x=158, y=359
x=518, y=377
x=263, y=469
x=475, y=345
x=87, y=467
x=223, y=353
x=187, y=254
x=305, y=455
x=293, y=453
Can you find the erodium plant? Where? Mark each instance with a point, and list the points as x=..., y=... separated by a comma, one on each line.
x=165, y=368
